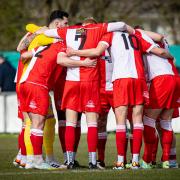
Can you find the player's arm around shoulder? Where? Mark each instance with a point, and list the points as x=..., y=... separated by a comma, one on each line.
x=64, y=60
x=161, y=52
x=93, y=52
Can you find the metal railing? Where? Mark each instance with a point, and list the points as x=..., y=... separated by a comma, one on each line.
x=4, y=96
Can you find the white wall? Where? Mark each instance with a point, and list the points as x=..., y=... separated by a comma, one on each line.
x=13, y=124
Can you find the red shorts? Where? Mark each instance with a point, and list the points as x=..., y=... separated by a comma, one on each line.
x=58, y=92
x=129, y=91
x=81, y=96
x=163, y=92
x=34, y=99
x=106, y=99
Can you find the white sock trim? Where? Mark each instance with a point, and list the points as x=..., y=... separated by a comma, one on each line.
x=135, y=158
x=120, y=159
x=37, y=132
x=149, y=121
x=120, y=128
x=138, y=126
x=72, y=124
x=92, y=124
x=166, y=124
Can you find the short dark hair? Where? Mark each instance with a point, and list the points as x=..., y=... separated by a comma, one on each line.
x=57, y=14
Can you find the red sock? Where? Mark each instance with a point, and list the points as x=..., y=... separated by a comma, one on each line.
x=37, y=141
x=22, y=144
x=92, y=137
x=70, y=136
x=155, y=148
x=61, y=133
x=121, y=139
x=167, y=138
x=137, y=137
x=102, y=139
x=149, y=138
x=77, y=137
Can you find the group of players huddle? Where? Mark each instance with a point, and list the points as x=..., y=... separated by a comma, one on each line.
x=92, y=67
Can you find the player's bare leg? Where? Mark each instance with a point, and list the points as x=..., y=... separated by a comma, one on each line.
x=121, y=114
x=92, y=137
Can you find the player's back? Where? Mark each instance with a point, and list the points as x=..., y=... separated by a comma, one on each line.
x=156, y=65
x=83, y=37
x=43, y=64
x=126, y=52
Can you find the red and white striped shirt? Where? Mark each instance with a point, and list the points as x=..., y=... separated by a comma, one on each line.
x=156, y=65
x=126, y=52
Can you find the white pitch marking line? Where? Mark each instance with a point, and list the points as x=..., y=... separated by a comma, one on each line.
x=54, y=172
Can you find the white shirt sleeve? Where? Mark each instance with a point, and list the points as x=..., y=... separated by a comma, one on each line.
x=116, y=26
x=52, y=33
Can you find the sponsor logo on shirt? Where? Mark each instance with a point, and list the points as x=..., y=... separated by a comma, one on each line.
x=33, y=105
x=90, y=104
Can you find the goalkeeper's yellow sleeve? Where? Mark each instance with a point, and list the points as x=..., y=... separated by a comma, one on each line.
x=32, y=28
x=40, y=40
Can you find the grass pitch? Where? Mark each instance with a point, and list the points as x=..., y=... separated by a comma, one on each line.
x=8, y=150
